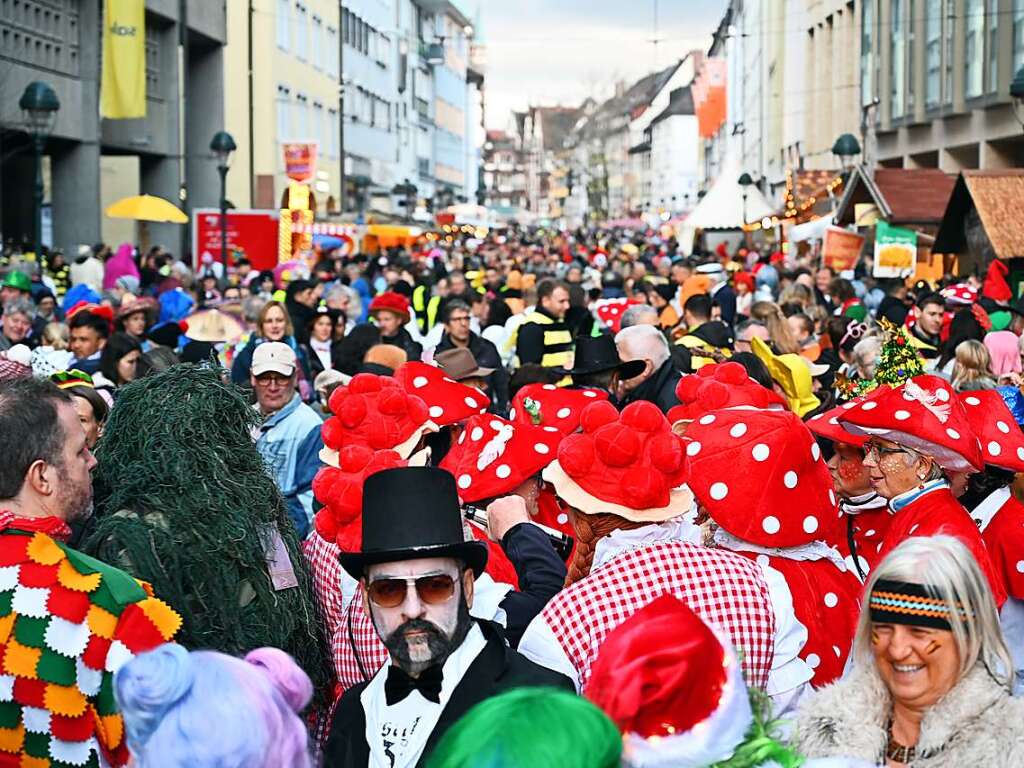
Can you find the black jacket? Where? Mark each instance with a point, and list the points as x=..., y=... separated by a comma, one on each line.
x=541, y=575
x=486, y=356
x=660, y=389
x=404, y=340
x=497, y=669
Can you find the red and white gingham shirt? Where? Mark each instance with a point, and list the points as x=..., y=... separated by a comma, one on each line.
x=726, y=590
x=344, y=616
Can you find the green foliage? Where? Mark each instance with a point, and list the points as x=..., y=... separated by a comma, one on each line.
x=762, y=745
x=184, y=502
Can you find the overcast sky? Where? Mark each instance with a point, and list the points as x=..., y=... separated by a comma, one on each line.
x=549, y=52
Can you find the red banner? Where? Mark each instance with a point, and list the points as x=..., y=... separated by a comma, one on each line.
x=251, y=234
x=709, y=96
x=300, y=160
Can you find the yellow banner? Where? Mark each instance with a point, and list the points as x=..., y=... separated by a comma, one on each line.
x=123, y=86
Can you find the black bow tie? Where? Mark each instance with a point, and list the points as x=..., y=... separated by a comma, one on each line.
x=399, y=684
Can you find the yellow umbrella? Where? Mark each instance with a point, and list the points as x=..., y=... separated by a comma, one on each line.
x=146, y=208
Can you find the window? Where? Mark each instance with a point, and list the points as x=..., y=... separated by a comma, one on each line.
x=284, y=12
x=993, y=39
x=897, y=44
x=301, y=122
x=933, y=54
x=317, y=43
x=366, y=39
x=331, y=56
x=1018, y=35
x=346, y=27
x=384, y=54
x=319, y=130
x=283, y=113
x=911, y=47
x=974, y=47
x=867, y=54
x=949, y=22
x=301, y=31
x=333, y=129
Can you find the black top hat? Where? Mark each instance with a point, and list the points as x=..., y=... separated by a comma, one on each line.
x=408, y=513
x=596, y=354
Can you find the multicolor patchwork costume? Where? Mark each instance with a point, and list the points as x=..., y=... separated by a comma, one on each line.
x=67, y=624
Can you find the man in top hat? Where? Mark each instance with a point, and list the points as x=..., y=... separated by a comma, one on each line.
x=597, y=365
x=416, y=574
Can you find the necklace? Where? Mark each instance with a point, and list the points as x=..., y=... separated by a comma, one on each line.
x=897, y=752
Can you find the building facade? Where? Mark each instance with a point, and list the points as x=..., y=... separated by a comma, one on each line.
x=940, y=72
x=91, y=161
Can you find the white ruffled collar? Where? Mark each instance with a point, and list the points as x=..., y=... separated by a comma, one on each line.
x=815, y=550
x=680, y=528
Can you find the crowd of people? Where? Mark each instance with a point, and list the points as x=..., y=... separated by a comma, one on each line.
x=541, y=499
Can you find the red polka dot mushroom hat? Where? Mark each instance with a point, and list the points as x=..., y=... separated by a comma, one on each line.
x=448, y=401
x=375, y=412
x=610, y=311
x=340, y=490
x=826, y=424
x=493, y=457
x=1002, y=442
x=760, y=476
x=546, y=405
x=628, y=464
x=717, y=386
x=923, y=414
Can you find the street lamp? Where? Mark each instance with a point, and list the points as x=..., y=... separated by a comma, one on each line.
x=846, y=148
x=745, y=181
x=1017, y=94
x=39, y=107
x=223, y=145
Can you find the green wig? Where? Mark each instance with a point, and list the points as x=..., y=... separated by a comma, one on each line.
x=183, y=501
x=531, y=728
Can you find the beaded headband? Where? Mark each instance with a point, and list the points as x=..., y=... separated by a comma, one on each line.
x=903, y=602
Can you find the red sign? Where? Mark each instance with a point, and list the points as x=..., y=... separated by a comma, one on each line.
x=841, y=248
x=300, y=160
x=251, y=234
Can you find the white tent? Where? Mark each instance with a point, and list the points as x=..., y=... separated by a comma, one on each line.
x=810, y=230
x=722, y=207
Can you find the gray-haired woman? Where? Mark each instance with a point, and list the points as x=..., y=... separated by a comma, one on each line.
x=930, y=685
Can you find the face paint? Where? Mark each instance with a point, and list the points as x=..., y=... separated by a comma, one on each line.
x=874, y=637
x=849, y=470
x=933, y=646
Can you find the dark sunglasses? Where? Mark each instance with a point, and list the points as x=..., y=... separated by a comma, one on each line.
x=432, y=590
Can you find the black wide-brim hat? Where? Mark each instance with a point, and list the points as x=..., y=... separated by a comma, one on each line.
x=598, y=354
x=409, y=513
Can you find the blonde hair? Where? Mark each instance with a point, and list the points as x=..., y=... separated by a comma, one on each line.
x=770, y=316
x=289, y=329
x=55, y=335
x=945, y=565
x=973, y=364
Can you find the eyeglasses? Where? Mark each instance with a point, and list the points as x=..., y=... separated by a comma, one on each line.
x=854, y=331
x=873, y=451
x=432, y=590
x=459, y=319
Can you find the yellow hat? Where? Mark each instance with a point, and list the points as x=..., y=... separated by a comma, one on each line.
x=792, y=373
